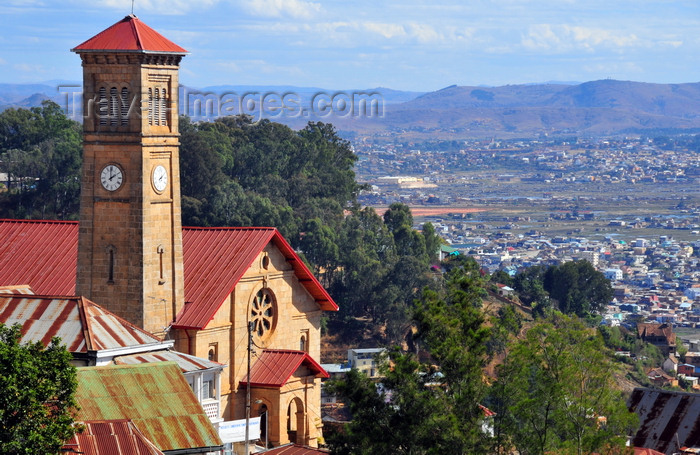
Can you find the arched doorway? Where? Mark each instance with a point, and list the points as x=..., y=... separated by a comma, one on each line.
x=264, y=428
x=296, y=429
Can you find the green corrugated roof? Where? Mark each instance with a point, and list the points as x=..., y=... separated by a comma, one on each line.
x=155, y=396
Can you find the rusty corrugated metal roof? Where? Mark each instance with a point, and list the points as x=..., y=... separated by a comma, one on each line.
x=110, y=437
x=131, y=35
x=81, y=324
x=42, y=254
x=155, y=396
x=668, y=420
x=274, y=367
x=296, y=449
x=186, y=362
x=26, y=289
x=656, y=330
x=642, y=451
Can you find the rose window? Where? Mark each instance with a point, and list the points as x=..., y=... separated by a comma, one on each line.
x=263, y=314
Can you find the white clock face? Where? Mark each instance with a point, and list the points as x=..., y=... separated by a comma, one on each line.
x=160, y=178
x=111, y=177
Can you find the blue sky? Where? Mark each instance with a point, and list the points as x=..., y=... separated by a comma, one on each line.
x=406, y=45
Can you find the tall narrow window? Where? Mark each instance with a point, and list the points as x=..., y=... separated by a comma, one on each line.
x=156, y=107
x=150, y=106
x=110, y=264
x=160, y=250
x=163, y=108
x=125, y=107
x=102, y=106
x=113, y=107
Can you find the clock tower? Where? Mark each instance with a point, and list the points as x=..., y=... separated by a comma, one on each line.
x=130, y=240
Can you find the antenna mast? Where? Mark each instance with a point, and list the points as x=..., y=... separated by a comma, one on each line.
x=132, y=7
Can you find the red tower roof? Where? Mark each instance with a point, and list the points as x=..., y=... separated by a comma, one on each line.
x=129, y=35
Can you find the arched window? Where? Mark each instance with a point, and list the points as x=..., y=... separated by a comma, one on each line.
x=302, y=343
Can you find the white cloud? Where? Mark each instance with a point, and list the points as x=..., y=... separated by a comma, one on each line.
x=419, y=32
x=298, y=9
x=565, y=38
x=388, y=31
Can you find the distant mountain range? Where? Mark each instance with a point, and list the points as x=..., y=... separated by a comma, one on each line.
x=598, y=108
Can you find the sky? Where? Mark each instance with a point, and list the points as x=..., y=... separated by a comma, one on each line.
x=360, y=44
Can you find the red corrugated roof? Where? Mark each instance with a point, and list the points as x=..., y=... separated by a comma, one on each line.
x=296, y=449
x=129, y=35
x=110, y=437
x=44, y=255
x=81, y=324
x=274, y=367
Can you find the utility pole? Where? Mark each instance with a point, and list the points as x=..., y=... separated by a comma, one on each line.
x=247, y=392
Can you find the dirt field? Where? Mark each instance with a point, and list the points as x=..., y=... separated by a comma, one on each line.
x=421, y=211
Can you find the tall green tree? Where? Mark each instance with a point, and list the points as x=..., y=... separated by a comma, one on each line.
x=37, y=388
x=432, y=241
x=556, y=392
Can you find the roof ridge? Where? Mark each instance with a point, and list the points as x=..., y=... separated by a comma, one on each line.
x=120, y=319
x=132, y=22
x=230, y=228
x=86, y=323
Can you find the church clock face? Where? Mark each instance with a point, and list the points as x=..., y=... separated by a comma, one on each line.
x=160, y=178
x=111, y=177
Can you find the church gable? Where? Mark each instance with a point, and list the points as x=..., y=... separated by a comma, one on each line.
x=218, y=260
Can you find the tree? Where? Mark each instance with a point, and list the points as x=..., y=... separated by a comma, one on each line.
x=404, y=414
x=40, y=150
x=528, y=283
x=432, y=241
x=578, y=288
x=37, y=387
x=502, y=277
x=556, y=392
